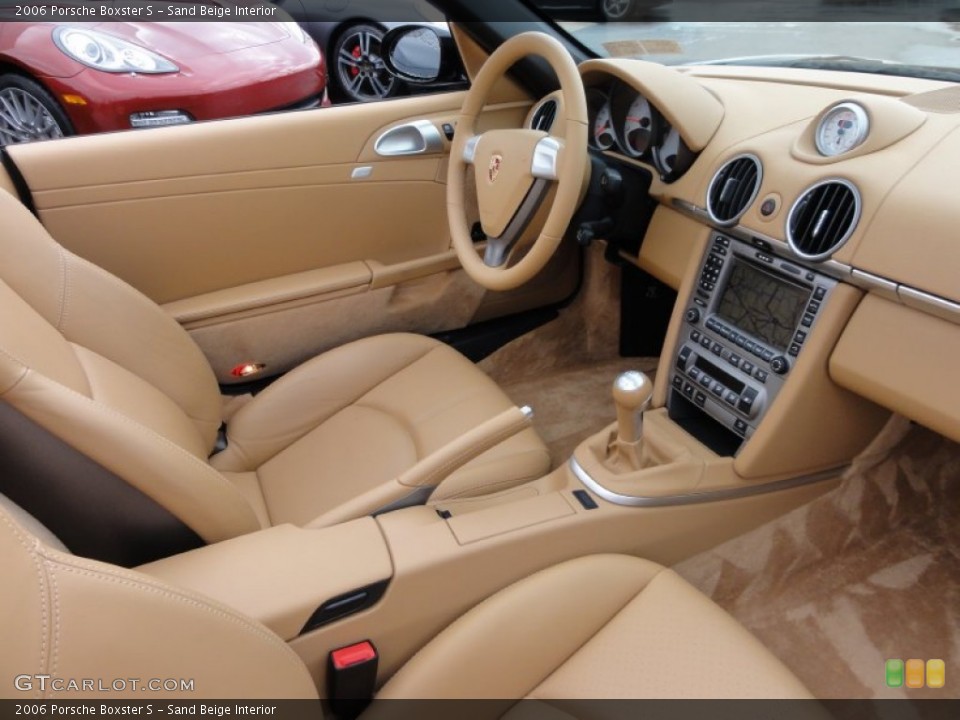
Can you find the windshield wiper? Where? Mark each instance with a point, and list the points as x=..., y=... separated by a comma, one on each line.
x=846, y=63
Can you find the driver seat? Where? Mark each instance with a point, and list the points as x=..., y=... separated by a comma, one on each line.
x=111, y=414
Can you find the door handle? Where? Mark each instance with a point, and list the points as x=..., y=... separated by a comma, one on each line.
x=415, y=138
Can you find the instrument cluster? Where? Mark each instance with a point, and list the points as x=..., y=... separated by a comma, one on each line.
x=623, y=121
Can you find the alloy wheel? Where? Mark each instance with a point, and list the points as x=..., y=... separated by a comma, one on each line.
x=25, y=118
x=362, y=74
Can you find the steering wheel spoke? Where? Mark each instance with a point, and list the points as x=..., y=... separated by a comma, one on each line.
x=470, y=150
x=547, y=158
x=498, y=249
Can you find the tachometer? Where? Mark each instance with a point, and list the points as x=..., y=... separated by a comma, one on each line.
x=843, y=128
x=603, y=136
x=639, y=127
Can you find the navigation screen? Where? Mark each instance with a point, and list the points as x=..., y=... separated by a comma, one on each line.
x=763, y=305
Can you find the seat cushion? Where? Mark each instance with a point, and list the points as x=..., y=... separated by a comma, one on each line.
x=605, y=626
x=327, y=440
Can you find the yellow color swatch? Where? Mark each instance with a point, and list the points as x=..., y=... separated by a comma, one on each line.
x=915, y=673
x=936, y=673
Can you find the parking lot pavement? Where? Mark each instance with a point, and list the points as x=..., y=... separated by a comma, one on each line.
x=934, y=43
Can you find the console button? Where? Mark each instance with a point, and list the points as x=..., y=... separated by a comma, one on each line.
x=747, y=400
x=740, y=426
x=695, y=374
x=747, y=367
x=688, y=390
x=706, y=286
x=735, y=360
x=700, y=399
x=751, y=346
x=760, y=375
x=717, y=389
x=741, y=341
x=799, y=337
x=711, y=324
x=678, y=382
x=720, y=240
x=811, y=277
x=695, y=336
x=720, y=250
x=779, y=364
x=706, y=381
x=717, y=348
x=794, y=349
x=683, y=357
x=699, y=302
x=731, y=398
x=820, y=293
x=706, y=342
x=767, y=355
x=807, y=320
x=758, y=351
x=693, y=316
x=813, y=307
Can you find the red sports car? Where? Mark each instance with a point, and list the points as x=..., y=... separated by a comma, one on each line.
x=61, y=79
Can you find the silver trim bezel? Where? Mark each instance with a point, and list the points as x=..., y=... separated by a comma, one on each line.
x=862, y=132
x=753, y=196
x=858, y=208
x=694, y=498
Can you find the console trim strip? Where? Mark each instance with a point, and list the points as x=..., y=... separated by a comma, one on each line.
x=695, y=498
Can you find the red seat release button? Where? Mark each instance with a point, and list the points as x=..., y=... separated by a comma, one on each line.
x=353, y=655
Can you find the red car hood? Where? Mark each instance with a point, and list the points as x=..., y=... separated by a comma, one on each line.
x=186, y=40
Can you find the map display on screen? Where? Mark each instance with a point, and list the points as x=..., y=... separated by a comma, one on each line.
x=763, y=305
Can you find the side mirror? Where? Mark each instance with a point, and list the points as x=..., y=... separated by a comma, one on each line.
x=421, y=55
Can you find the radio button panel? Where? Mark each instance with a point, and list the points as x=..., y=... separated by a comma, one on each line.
x=727, y=371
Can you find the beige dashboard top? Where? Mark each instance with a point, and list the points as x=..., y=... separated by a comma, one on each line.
x=904, y=170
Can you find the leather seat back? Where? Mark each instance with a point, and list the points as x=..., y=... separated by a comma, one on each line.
x=75, y=619
x=94, y=374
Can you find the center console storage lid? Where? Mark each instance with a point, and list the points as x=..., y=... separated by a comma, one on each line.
x=281, y=575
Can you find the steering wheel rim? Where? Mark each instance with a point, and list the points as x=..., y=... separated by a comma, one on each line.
x=527, y=164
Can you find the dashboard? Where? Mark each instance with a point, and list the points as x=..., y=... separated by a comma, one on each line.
x=801, y=181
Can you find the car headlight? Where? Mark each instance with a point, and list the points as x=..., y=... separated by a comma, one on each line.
x=107, y=53
x=296, y=31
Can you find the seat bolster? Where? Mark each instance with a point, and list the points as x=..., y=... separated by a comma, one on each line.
x=672, y=642
x=177, y=480
x=74, y=618
x=310, y=394
x=512, y=641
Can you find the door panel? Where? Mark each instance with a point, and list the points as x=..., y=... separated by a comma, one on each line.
x=275, y=237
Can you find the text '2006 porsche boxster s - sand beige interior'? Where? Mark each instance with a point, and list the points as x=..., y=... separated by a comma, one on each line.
x=728, y=293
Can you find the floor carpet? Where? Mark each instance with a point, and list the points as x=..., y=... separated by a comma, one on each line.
x=866, y=573
x=572, y=403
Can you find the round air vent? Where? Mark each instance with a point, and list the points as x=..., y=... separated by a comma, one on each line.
x=823, y=218
x=733, y=189
x=544, y=116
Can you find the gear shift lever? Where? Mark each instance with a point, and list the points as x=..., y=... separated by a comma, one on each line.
x=632, y=392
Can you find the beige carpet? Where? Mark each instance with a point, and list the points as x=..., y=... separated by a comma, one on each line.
x=869, y=572
x=570, y=404
x=564, y=370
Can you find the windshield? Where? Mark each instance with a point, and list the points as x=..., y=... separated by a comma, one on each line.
x=929, y=49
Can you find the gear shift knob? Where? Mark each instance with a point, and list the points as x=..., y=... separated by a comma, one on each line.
x=632, y=392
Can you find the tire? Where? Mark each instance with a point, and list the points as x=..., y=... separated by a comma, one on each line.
x=28, y=112
x=614, y=10
x=357, y=72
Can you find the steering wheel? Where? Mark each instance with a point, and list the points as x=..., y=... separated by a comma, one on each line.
x=515, y=170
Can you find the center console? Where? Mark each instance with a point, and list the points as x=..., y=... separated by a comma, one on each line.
x=750, y=315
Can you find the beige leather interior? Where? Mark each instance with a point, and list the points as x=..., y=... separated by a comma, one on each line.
x=500, y=581
x=295, y=250
x=82, y=619
x=98, y=366
x=78, y=619
x=628, y=637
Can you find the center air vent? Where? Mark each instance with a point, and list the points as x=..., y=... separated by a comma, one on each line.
x=733, y=189
x=823, y=218
x=544, y=116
